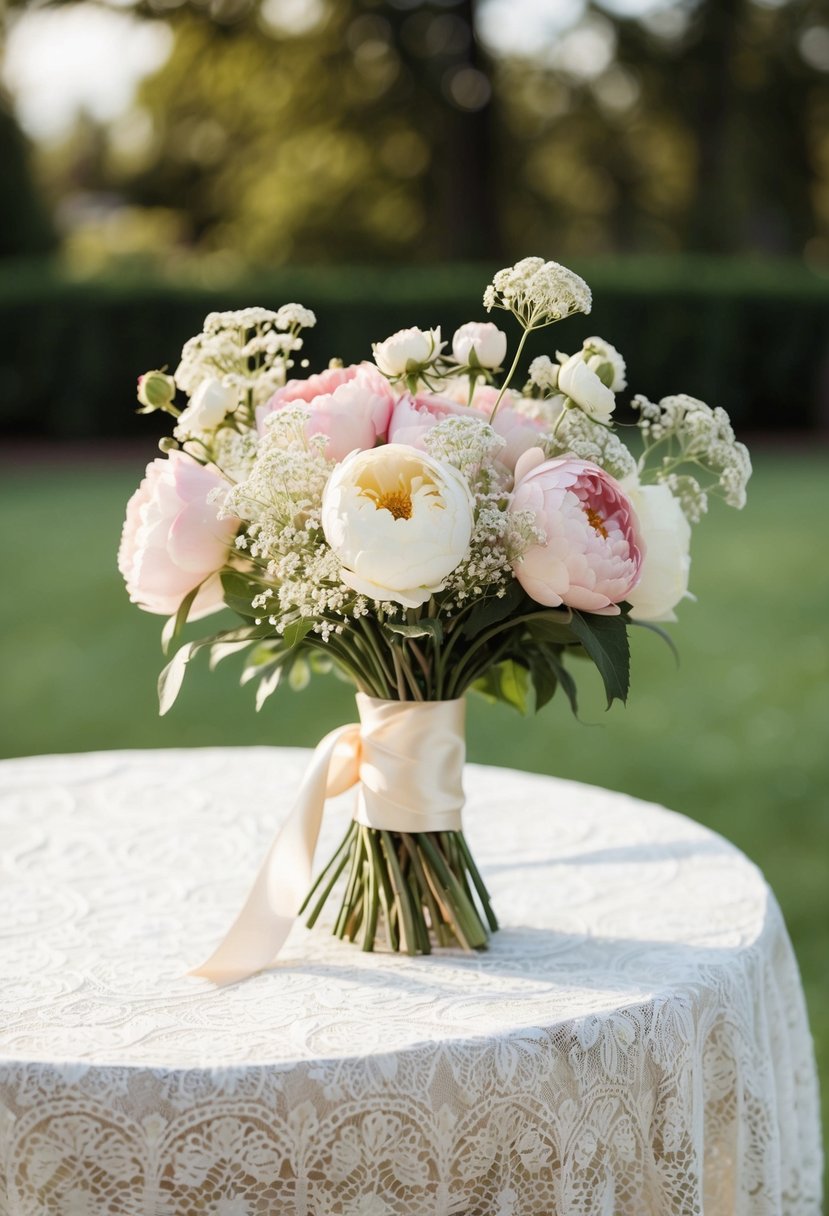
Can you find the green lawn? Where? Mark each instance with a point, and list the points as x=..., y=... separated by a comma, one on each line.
x=736, y=738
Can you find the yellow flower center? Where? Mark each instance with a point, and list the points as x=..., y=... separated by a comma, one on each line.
x=596, y=522
x=398, y=502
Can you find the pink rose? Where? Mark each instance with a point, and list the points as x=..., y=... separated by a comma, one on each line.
x=350, y=405
x=592, y=553
x=172, y=539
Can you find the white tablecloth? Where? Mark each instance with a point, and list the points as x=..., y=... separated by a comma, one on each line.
x=634, y=1042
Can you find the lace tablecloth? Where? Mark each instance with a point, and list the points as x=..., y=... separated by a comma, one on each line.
x=634, y=1042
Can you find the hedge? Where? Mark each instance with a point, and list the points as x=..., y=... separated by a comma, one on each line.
x=750, y=336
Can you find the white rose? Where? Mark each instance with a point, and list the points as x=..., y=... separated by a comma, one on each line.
x=667, y=536
x=581, y=384
x=399, y=521
x=485, y=340
x=407, y=350
x=208, y=406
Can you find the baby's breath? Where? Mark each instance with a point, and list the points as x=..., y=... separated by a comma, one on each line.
x=249, y=350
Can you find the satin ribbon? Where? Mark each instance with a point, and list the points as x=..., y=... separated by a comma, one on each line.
x=408, y=759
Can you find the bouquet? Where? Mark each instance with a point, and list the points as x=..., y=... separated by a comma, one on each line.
x=421, y=525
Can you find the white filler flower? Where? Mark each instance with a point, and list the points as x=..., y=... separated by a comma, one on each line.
x=399, y=521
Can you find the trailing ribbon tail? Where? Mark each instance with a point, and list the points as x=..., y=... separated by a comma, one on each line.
x=261, y=928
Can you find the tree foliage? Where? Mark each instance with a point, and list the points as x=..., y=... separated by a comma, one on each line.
x=380, y=130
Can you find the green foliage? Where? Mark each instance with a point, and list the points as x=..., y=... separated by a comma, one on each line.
x=508, y=682
x=605, y=640
x=25, y=226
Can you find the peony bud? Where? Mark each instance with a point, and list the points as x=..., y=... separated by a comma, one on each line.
x=156, y=391
x=582, y=385
x=407, y=351
x=481, y=343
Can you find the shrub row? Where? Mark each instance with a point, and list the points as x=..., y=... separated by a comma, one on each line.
x=749, y=336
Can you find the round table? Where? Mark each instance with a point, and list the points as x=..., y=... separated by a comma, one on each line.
x=634, y=1041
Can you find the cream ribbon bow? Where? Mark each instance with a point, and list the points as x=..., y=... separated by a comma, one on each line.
x=408, y=759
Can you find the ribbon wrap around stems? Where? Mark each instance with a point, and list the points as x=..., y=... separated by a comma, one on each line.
x=407, y=757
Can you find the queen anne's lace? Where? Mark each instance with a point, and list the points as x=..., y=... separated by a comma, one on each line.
x=634, y=1042
x=681, y=431
x=538, y=292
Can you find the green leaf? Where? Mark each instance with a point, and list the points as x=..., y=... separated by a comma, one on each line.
x=566, y=681
x=268, y=684
x=543, y=677
x=508, y=682
x=605, y=639
x=492, y=610
x=238, y=591
x=172, y=677
x=554, y=627
x=223, y=650
x=293, y=634
x=426, y=627
x=299, y=676
x=175, y=624
x=260, y=658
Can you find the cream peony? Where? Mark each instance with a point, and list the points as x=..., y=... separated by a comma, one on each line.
x=399, y=521
x=481, y=339
x=667, y=535
x=592, y=552
x=407, y=350
x=580, y=383
x=172, y=539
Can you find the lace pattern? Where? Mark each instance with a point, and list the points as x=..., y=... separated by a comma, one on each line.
x=635, y=1041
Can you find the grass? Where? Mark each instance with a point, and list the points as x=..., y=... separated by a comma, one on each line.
x=736, y=738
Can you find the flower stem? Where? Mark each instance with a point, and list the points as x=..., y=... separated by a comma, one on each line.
x=510, y=373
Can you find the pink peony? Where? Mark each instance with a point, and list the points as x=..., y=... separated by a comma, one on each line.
x=519, y=432
x=172, y=539
x=413, y=417
x=592, y=553
x=350, y=405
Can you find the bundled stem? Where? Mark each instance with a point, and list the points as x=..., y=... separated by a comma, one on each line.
x=420, y=888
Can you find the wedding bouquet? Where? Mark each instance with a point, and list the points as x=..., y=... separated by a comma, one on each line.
x=421, y=526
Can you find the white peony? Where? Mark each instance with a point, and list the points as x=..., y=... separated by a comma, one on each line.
x=407, y=350
x=667, y=536
x=208, y=407
x=399, y=521
x=482, y=339
x=581, y=384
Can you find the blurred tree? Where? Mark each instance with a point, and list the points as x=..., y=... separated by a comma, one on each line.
x=700, y=125
x=362, y=133
x=353, y=130
x=25, y=225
